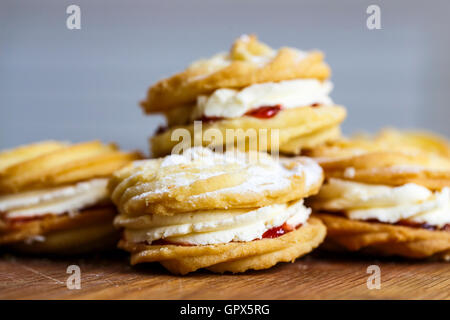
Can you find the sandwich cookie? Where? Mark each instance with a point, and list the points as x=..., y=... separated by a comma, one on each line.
x=387, y=195
x=279, y=99
x=224, y=212
x=54, y=196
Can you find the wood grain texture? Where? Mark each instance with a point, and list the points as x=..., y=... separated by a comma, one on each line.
x=313, y=277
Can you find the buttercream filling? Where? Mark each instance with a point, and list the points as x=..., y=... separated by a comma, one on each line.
x=409, y=203
x=231, y=103
x=213, y=226
x=54, y=201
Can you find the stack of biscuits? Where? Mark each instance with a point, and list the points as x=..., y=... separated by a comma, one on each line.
x=54, y=199
x=223, y=212
x=387, y=195
x=278, y=99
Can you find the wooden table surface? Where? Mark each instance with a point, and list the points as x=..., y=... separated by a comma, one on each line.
x=313, y=277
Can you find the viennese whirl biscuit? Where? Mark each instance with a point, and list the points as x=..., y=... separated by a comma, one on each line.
x=224, y=212
x=53, y=196
x=251, y=88
x=387, y=195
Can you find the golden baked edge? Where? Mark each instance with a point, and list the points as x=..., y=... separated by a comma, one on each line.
x=383, y=239
x=231, y=257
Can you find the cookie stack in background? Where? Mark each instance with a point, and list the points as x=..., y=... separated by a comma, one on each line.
x=387, y=195
x=54, y=198
x=252, y=87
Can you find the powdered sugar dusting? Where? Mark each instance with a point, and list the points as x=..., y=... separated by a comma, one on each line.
x=261, y=172
x=407, y=168
x=349, y=173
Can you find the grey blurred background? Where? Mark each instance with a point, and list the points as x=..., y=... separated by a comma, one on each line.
x=83, y=84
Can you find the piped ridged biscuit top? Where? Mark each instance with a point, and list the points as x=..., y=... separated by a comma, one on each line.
x=51, y=163
x=392, y=157
x=248, y=62
x=200, y=179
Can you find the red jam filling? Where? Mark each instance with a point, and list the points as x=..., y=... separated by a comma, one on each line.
x=426, y=226
x=275, y=232
x=264, y=112
x=206, y=119
x=17, y=221
x=162, y=242
x=411, y=224
x=161, y=129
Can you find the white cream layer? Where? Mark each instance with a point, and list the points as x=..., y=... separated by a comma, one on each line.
x=410, y=202
x=56, y=201
x=212, y=227
x=230, y=103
